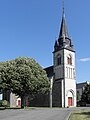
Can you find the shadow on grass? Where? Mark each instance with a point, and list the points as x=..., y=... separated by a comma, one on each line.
x=86, y=113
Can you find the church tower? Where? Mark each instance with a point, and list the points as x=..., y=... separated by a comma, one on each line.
x=64, y=85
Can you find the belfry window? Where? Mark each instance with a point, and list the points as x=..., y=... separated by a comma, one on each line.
x=69, y=60
x=58, y=60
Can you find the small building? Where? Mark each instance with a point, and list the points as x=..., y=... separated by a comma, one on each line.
x=13, y=100
x=80, y=87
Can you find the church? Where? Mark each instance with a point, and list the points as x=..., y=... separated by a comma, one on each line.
x=62, y=73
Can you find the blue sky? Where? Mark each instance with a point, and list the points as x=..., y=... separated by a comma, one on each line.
x=28, y=28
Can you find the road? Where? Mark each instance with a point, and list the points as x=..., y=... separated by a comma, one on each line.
x=37, y=114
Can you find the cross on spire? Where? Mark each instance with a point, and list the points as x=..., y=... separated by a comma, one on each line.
x=62, y=7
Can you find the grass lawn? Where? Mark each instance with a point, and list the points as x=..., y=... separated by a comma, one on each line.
x=80, y=115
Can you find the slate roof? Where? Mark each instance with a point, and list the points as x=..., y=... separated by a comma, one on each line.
x=64, y=41
x=80, y=85
x=49, y=71
x=63, y=29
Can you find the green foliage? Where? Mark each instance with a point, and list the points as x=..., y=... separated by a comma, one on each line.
x=4, y=103
x=23, y=76
x=78, y=96
x=85, y=98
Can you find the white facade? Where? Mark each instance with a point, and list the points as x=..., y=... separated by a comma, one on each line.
x=66, y=73
x=70, y=78
x=15, y=101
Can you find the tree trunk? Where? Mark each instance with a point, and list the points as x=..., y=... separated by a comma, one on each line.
x=22, y=101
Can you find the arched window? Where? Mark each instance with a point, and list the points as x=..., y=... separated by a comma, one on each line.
x=58, y=59
x=69, y=60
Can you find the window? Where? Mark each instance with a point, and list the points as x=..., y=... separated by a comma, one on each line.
x=58, y=60
x=69, y=60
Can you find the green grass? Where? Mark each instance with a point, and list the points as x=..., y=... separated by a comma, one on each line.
x=80, y=115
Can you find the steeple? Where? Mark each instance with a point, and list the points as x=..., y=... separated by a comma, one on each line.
x=63, y=29
x=64, y=41
x=64, y=67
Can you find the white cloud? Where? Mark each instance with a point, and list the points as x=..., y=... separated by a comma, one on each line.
x=84, y=59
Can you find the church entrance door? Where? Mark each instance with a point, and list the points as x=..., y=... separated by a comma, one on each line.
x=69, y=101
x=19, y=103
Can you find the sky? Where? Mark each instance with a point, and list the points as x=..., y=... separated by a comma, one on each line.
x=29, y=28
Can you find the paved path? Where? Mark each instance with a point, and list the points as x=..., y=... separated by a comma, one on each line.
x=37, y=114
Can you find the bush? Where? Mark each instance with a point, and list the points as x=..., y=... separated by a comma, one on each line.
x=5, y=103
x=82, y=104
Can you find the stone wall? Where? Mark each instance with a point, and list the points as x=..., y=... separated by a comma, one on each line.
x=39, y=100
x=57, y=94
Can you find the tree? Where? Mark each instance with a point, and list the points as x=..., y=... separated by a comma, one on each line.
x=23, y=76
x=85, y=98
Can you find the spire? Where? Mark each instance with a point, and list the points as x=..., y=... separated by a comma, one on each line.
x=63, y=29
x=64, y=41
